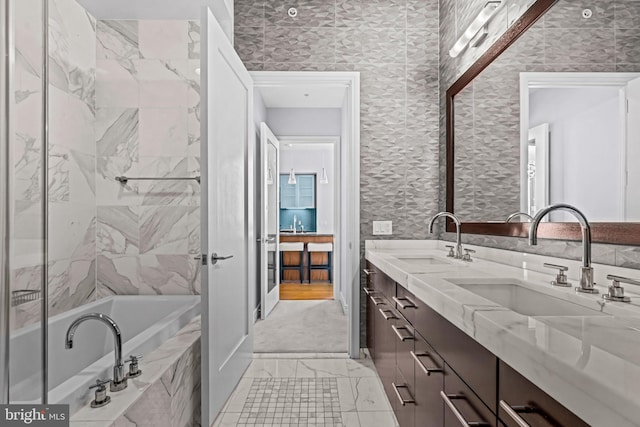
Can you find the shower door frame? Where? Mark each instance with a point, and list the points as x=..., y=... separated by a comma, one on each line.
x=6, y=86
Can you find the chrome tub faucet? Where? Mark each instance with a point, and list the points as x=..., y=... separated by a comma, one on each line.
x=119, y=381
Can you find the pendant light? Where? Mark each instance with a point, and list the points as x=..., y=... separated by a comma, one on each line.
x=323, y=176
x=292, y=175
x=269, y=176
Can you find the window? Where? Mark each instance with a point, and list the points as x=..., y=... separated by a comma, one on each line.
x=301, y=195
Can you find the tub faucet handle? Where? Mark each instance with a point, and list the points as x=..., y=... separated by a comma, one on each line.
x=134, y=370
x=101, y=397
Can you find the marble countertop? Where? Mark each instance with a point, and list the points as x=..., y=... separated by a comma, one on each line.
x=590, y=364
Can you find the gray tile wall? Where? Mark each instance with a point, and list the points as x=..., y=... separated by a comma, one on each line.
x=561, y=41
x=394, y=46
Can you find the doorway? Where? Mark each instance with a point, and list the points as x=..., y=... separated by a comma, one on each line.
x=314, y=118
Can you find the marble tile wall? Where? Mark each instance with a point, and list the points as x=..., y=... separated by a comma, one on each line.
x=561, y=41
x=147, y=124
x=71, y=173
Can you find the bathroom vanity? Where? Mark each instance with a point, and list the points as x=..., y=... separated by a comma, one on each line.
x=491, y=342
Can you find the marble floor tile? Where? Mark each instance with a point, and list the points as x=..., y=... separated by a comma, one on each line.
x=227, y=419
x=345, y=393
x=316, y=368
x=272, y=368
x=238, y=398
x=357, y=368
x=369, y=394
x=350, y=419
x=378, y=419
x=300, y=355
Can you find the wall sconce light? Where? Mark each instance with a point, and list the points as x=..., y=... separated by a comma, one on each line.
x=474, y=29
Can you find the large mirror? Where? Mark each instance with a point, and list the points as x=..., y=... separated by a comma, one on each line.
x=551, y=114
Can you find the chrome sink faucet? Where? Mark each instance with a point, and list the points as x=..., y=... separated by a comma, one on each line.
x=517, y=214
x=586, y=272
x=455, y=219
x=119, y=381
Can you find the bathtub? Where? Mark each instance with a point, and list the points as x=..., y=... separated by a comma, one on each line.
x=145, y=323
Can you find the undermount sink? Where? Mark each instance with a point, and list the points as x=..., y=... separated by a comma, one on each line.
x=420, y=261
x=510, y=294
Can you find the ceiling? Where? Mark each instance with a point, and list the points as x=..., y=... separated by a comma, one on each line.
x=303, y=97
x=147, y=9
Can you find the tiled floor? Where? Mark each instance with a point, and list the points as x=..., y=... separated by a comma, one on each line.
x=308, y=390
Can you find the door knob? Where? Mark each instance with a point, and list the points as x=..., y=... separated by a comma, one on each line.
x=215, y=258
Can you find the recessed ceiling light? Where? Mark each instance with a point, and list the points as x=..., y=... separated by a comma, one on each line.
x=306, y=94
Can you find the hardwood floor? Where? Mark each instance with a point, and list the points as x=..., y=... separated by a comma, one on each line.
x=296, y=291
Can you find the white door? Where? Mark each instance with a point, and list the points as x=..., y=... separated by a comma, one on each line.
x=227, y=218
x=270, y=220
x=632, y=189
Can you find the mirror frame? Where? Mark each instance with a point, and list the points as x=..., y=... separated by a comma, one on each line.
x=601, y=232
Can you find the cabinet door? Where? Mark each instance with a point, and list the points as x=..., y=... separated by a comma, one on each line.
x=474, y=363
x=306, y=191
x=462, y=405
x=383, y=284
x=429, y=381
x=403, y=402
x=385, y=340
x=520, y=399
x=288, y=193
x=372, y=303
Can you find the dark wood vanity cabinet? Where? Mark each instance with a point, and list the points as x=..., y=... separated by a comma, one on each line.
x=435, y=375
x=520, y=398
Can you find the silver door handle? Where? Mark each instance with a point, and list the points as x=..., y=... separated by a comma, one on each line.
x=512, y=412
x=397, y=330
x=404, y=302
x=402, y=400
x=448, y=399
x=417, y=356
x=215, y=258
x=368, y=272
x=387, y=316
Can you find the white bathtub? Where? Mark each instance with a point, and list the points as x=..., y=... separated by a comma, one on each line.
x=145, y=323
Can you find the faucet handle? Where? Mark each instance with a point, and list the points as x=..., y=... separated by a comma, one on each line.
x=134, y=370
x=101, y=397
x=467, y=255
x=561, y=277
x=451, y=254
x=616, y=292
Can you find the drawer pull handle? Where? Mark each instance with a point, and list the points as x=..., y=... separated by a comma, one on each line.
x=368, y=291
x=402, y=400
x=376, y=300
x=404, y=302
x=512, y=411
x=417, y=356
x=387, y=316
x=448, y=399
x=368, y=272
x=397, y=330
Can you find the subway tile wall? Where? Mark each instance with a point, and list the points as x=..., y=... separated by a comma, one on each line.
x=561, y=41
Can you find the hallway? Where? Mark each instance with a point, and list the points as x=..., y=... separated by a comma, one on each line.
x=303, y=327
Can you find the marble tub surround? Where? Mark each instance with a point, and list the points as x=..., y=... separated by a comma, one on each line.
x=168, y=389
x=590, y=364
x=147, y=124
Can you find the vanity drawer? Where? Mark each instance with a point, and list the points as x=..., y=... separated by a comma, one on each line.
x=380, y=282
x=460, y=403
x=406, y=303
x=429, y=381
x=519, y=397
x=474, y=363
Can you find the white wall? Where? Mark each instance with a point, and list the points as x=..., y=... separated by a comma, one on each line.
x=310, y=160
x=585, y=149
x=305, y=121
